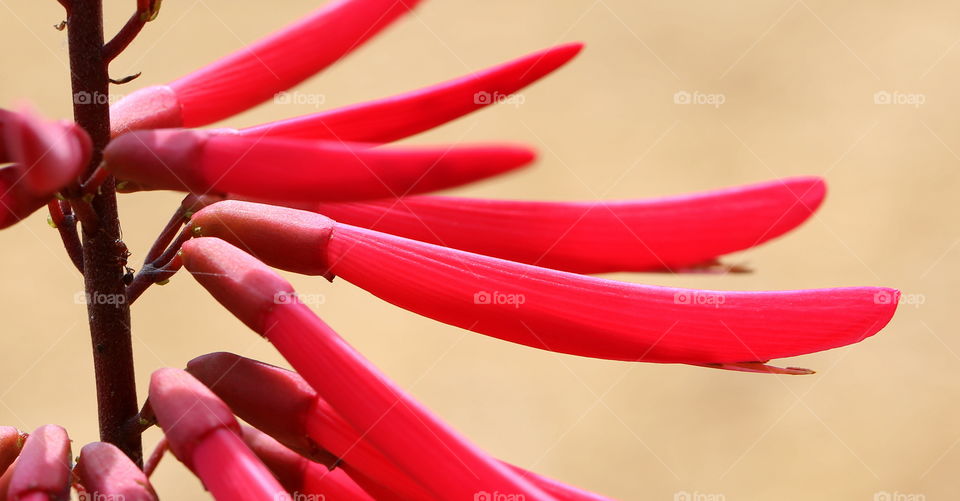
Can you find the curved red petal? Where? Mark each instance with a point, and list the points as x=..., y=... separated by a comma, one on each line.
x=302, y=478
x=396, y=117
x=594, y=237
x=566, y=312
x=299, y=170
x=401, y=428
x=255, y=73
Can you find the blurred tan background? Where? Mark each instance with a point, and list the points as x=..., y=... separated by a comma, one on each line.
x=798, y=79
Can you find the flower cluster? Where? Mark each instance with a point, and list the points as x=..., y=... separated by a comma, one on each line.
x=325, y=194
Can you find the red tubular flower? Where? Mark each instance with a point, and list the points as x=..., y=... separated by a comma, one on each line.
x=46, y=157
x=396, y=117
x=11, y=441
x=594, y=237
x=205, y=436
x=555, y=310
x=105, y=472
x=425, y=448
x=300, y=477
x=42, y=471
x=283, y=405
x=256, y=73
x=202, y=162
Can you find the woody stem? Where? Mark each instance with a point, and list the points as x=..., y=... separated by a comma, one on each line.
x=103, y=252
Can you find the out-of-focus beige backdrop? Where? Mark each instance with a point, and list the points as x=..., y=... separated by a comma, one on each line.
x=798, y=80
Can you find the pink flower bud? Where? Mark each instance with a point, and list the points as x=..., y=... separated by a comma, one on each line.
x=43, y=469
x=204, y=435
x=105, y=472
x=202, y=162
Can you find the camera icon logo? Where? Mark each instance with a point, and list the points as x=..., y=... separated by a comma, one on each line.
x=482, y=97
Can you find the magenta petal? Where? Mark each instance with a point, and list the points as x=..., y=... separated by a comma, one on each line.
x=204, y=435
x=43, y=469
x=257, y=72
x=202, y=162
x=302, y=478
x=253, y=389
x=283, y=405
x=396, y=117
x=594, y=237
x=427, y=449
x=560, y=311
x=105, y=472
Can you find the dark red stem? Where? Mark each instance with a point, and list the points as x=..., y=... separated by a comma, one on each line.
x=122, y=39
x=66, y=223
x=103, y=252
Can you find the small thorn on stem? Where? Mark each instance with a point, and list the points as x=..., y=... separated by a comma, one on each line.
x=61, y=26
x=126, y=79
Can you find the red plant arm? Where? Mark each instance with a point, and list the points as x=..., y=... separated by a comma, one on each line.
x=202, y=162
x=427, y=449
x=256, y=73
x=397, y=117
x=283, y=405
x=673, y=233
x=555, y=310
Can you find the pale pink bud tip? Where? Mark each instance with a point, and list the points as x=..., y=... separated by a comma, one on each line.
x=186, y=410
x=236, y=279
x=105, y=472
x=205, y=162
x=205, y=436
x=43, y=469
x=155, y=107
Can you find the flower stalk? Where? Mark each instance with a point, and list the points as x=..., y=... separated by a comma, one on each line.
x=103, y=254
